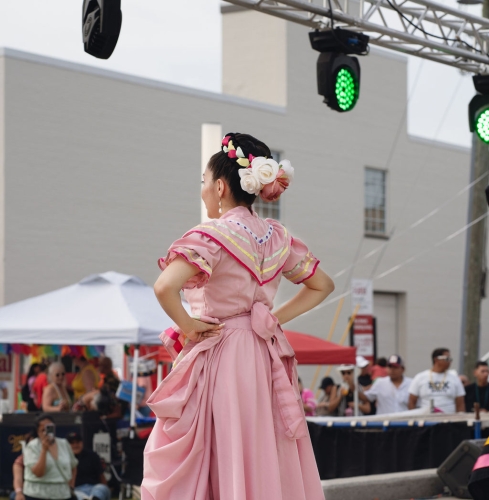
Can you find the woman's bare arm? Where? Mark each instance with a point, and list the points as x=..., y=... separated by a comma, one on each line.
x=18, y=473
x=48, y=397
x=39, y=469
x=167, y=290
x=335, y=401
x=314, y=291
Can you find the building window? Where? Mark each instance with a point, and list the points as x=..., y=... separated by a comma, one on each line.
x=375, y=220
x=266, y=209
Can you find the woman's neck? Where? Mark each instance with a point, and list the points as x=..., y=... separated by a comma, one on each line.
x=226, y=208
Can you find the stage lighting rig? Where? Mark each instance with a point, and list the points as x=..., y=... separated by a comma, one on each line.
x=479, y=108
x=338, y=74
x=101, y=26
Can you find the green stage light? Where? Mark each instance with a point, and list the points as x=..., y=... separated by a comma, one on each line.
x=346, y=89
x=338, y=74
x=482, y=125
x=479, y=108
x=338, y=80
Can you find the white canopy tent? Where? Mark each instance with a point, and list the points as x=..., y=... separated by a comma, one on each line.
x=102, y=309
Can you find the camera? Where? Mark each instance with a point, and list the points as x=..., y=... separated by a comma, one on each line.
x=49, y=431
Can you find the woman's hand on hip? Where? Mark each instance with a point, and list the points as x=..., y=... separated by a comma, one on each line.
x=202, y=331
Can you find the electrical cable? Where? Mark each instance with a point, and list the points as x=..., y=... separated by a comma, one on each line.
x=414, y=224
x=407, y=261
x=388, y=162
x=439, y=243
x=418, y=174
x=348, y=49
x=446, y=39
x=331, y=15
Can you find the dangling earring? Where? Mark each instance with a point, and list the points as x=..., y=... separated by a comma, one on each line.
x=220, y=207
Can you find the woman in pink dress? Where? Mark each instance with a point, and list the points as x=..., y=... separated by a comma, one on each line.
x=230, y=423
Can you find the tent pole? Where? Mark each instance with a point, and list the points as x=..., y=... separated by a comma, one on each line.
x=135, y=361
x=355, y=374
x=330, y=336
x=343, y=337
x=159, y=373
x=15, y=379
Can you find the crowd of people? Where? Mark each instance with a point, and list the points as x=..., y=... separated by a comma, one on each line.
x=383, y=388
x=92, y=388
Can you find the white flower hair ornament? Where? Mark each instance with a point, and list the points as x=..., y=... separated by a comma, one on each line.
x=266, y=177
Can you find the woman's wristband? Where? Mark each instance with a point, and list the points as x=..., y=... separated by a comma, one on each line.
x=19, y=490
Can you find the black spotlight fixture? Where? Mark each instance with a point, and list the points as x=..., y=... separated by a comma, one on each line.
x=338, y=74
x=479, y=108
x=101, y=24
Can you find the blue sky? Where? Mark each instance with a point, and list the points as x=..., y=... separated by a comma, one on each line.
x=180, y=42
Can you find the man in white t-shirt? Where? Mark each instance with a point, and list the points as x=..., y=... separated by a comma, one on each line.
x=391, y=392
x=437, y=387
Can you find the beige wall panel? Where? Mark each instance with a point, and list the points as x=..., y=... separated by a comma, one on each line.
x=254, y=58
x=2, y=180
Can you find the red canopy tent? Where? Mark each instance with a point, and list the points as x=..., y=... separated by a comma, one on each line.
x=309, y=350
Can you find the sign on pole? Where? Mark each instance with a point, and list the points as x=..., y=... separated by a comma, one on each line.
x=362, y=293
x=363, y=330
x=362, y=336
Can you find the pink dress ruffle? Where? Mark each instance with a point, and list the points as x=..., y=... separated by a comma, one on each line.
x=230, y=424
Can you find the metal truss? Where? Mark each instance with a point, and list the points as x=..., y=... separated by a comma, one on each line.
x=460, y=39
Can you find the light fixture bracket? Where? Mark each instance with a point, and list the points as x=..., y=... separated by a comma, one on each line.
x=339, y=40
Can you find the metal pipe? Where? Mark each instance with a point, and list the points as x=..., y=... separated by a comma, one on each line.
x=135, y=361
x=159, y=373
x=356, y=399
x=298, y=11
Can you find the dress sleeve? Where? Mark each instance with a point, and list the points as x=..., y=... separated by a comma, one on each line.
x=300, y=264
x=198, y=250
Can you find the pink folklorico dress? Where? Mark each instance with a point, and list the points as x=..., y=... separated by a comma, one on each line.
x=230, y=423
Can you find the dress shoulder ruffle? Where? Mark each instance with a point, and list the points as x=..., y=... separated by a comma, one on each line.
x=197, y=250
x=301, y=263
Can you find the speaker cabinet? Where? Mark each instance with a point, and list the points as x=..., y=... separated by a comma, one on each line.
x=456, y=469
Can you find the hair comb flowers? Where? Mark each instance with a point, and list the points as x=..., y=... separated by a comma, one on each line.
x=234, y=152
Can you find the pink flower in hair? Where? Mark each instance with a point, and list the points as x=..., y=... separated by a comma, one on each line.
x=273, y=191
x=226, y=140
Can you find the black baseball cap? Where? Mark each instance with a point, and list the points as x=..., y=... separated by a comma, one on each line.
x=326, y=382
x=73, y=437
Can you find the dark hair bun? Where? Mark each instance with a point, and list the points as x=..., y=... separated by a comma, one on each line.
x=224, y=167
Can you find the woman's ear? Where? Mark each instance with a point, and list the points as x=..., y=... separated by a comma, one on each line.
x=220, y=188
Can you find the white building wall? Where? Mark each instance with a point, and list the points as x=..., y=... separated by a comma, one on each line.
x=103, y=172
x=2, y=182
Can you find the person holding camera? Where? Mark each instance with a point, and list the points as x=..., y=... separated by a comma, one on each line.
x=50, y=465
